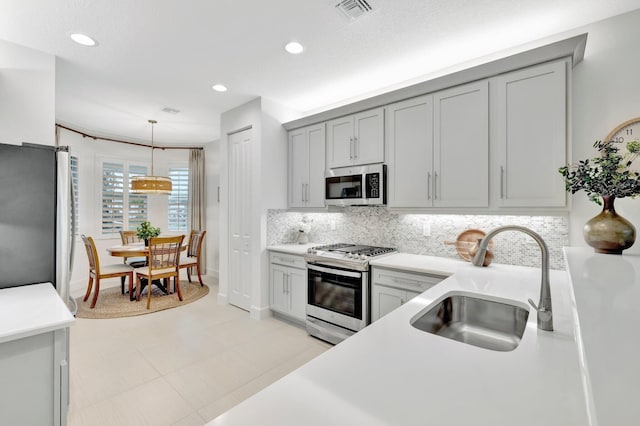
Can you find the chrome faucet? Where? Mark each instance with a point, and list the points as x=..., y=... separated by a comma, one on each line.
x=545, y=313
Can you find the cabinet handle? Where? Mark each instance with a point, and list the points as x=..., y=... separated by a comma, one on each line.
x=306, y=192
x=435, y=185
x=501, y=182
x=356, y=144
x=302, y=194
x=351, y=148
x=428, y=185
x=403, y=281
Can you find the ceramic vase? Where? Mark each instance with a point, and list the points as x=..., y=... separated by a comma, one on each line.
x=609, y=232
x=303, y=238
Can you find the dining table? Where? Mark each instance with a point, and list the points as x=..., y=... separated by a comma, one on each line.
x=138, y=250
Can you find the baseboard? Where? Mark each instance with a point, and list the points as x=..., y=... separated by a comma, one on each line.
x=260, y=313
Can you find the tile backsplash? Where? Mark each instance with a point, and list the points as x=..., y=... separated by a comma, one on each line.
x=377, y=226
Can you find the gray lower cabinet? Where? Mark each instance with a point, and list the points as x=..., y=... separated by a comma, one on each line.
x=34, y=389
x=391, y=289
x=288, y=285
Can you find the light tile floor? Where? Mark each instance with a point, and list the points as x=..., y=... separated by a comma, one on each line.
x=182, y=366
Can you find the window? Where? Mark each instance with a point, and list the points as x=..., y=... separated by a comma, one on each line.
x=137, y=202
x=74, y=188
x=179, y=199
x=121, y=209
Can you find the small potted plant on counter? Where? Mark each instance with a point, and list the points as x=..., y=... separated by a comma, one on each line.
x=146, y=231
x=605, y=178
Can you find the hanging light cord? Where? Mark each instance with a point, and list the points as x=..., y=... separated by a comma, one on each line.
x=152, y=123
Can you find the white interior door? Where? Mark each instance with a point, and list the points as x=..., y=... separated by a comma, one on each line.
x=240, y=238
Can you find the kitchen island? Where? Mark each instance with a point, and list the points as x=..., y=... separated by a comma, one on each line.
x=393, y=374
x=34, y=362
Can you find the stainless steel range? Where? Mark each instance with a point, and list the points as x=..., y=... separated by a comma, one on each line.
x=338, y=301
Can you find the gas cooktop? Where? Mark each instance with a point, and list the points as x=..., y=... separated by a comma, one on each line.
x=355, y=256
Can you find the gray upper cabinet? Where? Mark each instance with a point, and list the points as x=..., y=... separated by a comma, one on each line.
x=438, y=149
x=410, y=152
x=356, y=139
x=306, y=166
x=493, y=145
x=529, y=126
x=461, y=146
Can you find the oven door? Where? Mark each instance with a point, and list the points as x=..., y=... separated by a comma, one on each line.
x=338, y=296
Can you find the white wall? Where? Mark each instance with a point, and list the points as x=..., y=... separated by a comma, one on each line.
x=27, y=95
x=268, y=183
x=212, y=170
x=90, y=152
x=605, y=93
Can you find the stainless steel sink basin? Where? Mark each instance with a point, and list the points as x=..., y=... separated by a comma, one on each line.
x=479, y=322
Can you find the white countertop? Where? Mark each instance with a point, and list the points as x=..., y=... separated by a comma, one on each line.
x=292, y=248
x=393, y=374
x=607, y=295
x=32, y=309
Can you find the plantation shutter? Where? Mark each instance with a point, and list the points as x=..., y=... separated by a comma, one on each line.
x=179, y=199
x=137, y=202
x=112, y=197
x=74, y=187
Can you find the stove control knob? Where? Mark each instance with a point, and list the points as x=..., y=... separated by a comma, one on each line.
x=363, y=256
x=350, y=255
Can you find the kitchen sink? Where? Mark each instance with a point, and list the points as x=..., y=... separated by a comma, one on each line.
x=488, y=324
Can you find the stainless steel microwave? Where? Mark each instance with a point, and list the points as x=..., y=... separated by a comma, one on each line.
x=356, y=186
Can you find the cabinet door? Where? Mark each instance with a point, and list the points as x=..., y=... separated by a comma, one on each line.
x=384, y=300
x=410, y=151
x=279, y=284
x=369, y=137
x=461, y=146
x=531, y=132
x=316, y=160
x=340, y=144
x=298, y=293
x=298, y=167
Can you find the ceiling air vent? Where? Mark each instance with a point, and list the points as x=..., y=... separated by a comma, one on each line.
x=354, y=9
x=170, y=110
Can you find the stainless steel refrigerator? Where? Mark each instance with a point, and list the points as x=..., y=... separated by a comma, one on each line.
x=36, y=217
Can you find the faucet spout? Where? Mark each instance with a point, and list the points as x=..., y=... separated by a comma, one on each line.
x=543, y=309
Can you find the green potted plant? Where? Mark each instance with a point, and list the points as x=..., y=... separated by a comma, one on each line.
x=146, y=231
x=605, y=178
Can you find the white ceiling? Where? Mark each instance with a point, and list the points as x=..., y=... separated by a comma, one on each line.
x=153, y=54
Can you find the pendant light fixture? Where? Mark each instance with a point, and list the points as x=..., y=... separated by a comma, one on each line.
x=151, y=184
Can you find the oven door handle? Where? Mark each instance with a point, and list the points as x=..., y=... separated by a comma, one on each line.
x=353, y=274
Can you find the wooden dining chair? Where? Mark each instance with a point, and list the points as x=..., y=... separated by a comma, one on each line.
x=192, y=258
x=130, y=237
x=98, y=272
x=163, y=263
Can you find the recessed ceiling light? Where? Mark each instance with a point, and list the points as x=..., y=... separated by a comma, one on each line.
x=82, y=39
x=219, y=87
x=294, y=47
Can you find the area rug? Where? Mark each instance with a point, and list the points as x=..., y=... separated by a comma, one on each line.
x=112, y=304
